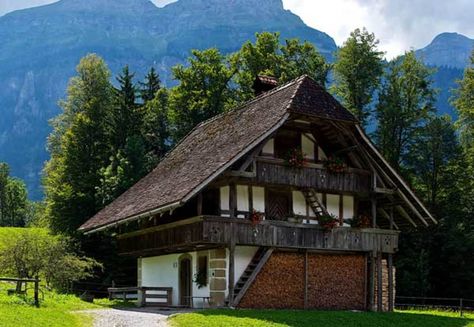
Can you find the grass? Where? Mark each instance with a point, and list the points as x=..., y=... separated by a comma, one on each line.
x=294, y=318
x=56, y=310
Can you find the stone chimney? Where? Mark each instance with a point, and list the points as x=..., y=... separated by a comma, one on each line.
x=263, y=84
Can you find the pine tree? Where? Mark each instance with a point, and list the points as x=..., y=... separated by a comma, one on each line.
x=357, y=72
x=150, y=86
x=126, y=116
x=156, y=128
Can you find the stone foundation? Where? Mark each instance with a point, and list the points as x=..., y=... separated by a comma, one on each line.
x=217, y=280
x=385, y=294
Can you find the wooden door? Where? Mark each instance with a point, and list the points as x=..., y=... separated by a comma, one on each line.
x=278, y=205
x=185, y=280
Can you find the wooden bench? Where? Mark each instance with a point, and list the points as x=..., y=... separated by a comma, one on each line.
x=141, y=294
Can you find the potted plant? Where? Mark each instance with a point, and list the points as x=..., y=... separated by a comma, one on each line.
x=335, y=165
x=360, y=221
x=295, y=158
x=200, y=278
x=328, y=222
x=256, y=217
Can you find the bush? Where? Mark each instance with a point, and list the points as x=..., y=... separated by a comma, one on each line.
x=37, y=253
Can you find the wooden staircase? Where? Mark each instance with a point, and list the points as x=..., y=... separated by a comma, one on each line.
x=314, y=203
x=248, y=276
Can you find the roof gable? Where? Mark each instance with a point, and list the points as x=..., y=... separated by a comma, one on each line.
x=214, y=145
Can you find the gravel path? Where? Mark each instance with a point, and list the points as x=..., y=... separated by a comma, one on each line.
x=128, y=318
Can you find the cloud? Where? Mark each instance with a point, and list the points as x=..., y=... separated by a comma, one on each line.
x=10, y=5
x=399, y=25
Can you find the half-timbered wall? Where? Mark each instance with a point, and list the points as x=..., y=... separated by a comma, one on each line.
x=286, y=140
x=253, y=198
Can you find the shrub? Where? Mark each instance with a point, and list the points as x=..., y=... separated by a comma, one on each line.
x=38, y=254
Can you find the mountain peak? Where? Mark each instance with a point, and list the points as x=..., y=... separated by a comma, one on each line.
x=451, y=38
x=107, y=5
x=448, y=49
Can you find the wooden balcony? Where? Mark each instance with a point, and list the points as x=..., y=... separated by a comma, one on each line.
x=274, y=171
x=207, y=232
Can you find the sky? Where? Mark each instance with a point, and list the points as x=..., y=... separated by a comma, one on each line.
x=398, y=24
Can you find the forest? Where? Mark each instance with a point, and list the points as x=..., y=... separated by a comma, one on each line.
x=114, y=130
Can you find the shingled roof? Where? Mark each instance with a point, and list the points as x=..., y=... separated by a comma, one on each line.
x=212, y=146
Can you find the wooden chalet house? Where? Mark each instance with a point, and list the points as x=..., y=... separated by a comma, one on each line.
x=254, y=208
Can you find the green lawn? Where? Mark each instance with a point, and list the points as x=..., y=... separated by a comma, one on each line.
x=56, y=310
x=280, y=318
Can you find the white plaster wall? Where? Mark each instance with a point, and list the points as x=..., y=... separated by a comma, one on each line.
x=224, y=199
x=348, y=210
x=321, y=154
x=258, y=198
x=332, y=204
x=348, y=207
x=163, y=271
x=269, y=147
x=242, y=199
x=307, y=146
x=299, y=203
x=242, y=257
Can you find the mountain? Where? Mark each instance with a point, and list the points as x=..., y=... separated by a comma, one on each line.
x=39, y=48
x=449, y=54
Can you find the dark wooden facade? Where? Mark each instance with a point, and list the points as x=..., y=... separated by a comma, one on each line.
x=209, y=231
x=273, y=171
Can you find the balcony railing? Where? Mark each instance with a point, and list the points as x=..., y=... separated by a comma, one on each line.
x=211, y=231
x=274, y=171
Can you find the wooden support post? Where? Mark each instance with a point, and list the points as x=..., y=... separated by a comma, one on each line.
x=390, y=282
x=231, y=265
x=373, y=202
x=391, y=217
x=36, y=292
x=233, y=200
x=371, y=281
x=306, y=279
x=379, y=282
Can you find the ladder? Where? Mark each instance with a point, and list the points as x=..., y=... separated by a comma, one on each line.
x=314, y=203
x=258, y=261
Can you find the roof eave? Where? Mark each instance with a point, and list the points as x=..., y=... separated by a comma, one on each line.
x=397, y=175
x=148, y=213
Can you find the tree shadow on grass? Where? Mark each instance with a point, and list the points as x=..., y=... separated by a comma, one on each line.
x=296, y=318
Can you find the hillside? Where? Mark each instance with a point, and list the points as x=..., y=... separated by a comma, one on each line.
x=40, y=47
x=449, y=54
